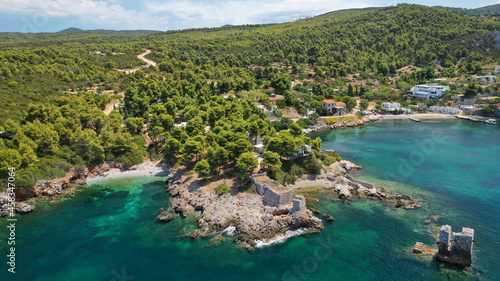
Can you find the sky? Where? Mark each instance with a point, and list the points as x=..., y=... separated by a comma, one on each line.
x=56, y=15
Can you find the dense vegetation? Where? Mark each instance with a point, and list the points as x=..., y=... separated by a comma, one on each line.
x=53, y=88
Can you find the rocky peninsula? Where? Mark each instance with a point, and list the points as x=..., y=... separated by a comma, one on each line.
x=336, y=177
x=271, y=210
x=251, y=217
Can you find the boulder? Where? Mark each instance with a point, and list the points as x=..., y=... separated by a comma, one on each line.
x=348, y=165
x=166, y=215
x=329, y=217
x=421, y=248
x=4, y=210
x=344, y=193
x=406, y=202
x=24, y=208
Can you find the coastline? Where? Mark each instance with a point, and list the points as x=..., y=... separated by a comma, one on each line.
x=147, y=168
x=419, y=116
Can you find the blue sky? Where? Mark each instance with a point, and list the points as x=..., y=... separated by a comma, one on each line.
x=56, y=15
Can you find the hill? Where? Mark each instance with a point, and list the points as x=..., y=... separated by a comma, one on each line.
x=41, y=67
x=55, y=87
x=487, y=10
x=75, y=30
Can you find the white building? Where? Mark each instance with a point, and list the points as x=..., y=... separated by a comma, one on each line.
x=446, y=110
x=497, y=70
x=439, y=80
x=485, y=79
x=429, y=91
x=468, y=108
x=390, y=106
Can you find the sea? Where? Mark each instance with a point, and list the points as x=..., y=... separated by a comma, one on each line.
x=108, y=231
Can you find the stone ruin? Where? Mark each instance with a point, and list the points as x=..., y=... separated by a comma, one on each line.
x=455, y=247
x=276, y=195
x=299, y=204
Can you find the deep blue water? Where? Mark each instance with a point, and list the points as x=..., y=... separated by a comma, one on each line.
x=109, y=231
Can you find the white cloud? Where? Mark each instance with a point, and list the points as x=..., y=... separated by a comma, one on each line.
x=194, y=14
x=108, y=15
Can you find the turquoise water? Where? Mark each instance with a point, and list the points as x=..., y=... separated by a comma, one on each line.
x=109, y=231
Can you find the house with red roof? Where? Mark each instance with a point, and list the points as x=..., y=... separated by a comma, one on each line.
x=335, y=108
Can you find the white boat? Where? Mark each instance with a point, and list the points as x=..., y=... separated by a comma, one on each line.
x=491, y=121
x=330, y=150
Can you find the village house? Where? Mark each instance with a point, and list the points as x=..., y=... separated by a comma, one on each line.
x=485, y=79
x=445, y=110
x=468, y=108
x=335, y=108
x=391, y=106
x=275, y=98
x=428, y=91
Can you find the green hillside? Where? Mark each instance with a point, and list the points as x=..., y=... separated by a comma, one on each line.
x=54, y=87
x=487, y=10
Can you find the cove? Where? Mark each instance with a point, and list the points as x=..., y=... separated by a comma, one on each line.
x=108, y=231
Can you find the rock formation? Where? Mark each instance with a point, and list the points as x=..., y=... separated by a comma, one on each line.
x=262, y=216
x=455, y=247
x=347, y=187
x=54, y=187
x=24, y=208
x=421, y=248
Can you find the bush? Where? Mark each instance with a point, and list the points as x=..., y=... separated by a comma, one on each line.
x=222, y=189
x=188, y=173
x=284, y=178
x=140, y=141
x=135, y=156
x=332, y=120
x=296, y=170
x=488, y=110
x=312, y=165
x=127, y=163
x=328, y=160
x=304, y=123
x=348, y=118
x=12, y=84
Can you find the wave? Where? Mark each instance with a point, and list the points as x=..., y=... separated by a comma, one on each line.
x=280, y=238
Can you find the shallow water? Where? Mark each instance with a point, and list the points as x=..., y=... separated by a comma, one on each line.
x=109, y=231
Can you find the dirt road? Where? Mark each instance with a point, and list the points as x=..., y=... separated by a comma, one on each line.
x=141, y=57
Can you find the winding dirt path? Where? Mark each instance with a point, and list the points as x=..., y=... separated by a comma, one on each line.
x=141, y=57
x=114, y=103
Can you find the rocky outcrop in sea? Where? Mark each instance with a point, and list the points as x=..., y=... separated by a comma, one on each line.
x=336, y=177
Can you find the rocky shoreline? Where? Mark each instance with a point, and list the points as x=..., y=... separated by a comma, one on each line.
x=357, y=123
x=56, y=188
x=341, y=124
x=336, y=178
x=272, y=211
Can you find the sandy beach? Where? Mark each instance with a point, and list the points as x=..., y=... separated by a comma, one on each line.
x=146, y=169
x=420, y=116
